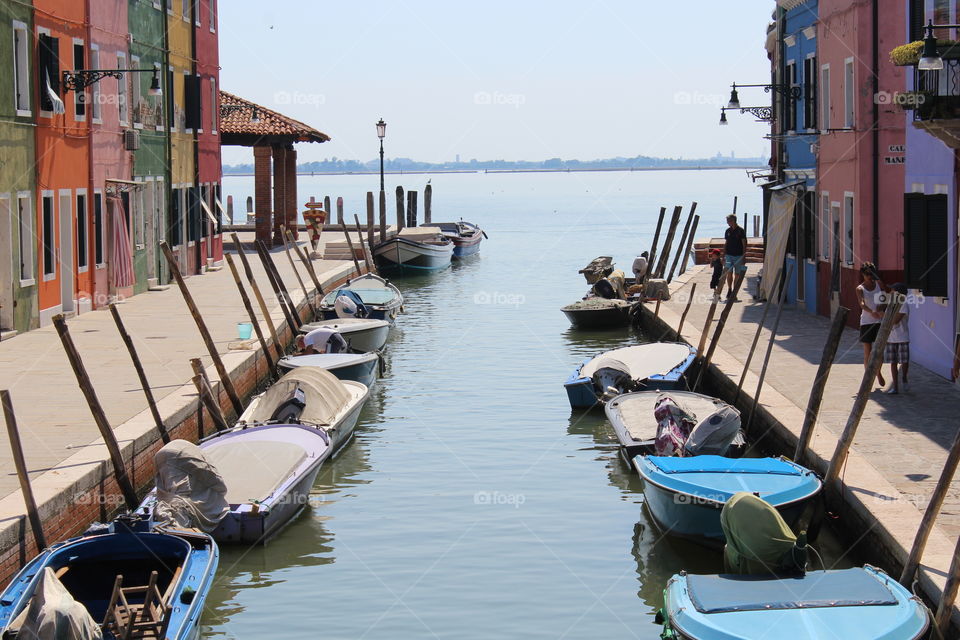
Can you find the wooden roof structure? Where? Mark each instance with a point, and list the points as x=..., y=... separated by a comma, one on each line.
x=237, y=126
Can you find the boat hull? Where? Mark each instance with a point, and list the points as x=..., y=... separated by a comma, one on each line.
x=363, y=338
x=362, y=370
x=466, y=247
x=406, y=255
x=607, y=318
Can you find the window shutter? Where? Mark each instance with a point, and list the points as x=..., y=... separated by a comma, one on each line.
x=914, y=232
x=916, y=20
x=49, y=64
x=936, y=267
x=191, y=99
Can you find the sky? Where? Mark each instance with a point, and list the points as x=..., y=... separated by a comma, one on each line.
x=512, y=80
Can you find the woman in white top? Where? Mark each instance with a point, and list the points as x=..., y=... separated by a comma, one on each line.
x=869, y=295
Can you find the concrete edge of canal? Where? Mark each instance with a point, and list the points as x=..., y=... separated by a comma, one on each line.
x=82, y=489
x=878, y=521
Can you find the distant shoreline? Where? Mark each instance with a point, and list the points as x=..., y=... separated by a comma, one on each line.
x=563, y=170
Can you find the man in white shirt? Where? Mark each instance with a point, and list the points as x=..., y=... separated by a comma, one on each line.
x=640, y=266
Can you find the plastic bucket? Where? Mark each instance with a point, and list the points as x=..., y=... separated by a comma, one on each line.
x=244, y=330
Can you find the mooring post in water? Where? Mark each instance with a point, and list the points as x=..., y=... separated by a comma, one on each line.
x=706, y=360
x=753, y=345
x=702, y=344
x=16, y=447
x=686, y=251
x=945, y=608
x=367, y=250
x=284, y=232
x=383, y=216
x=96, y=410
x=820, y=383
x=246, y=305
x=370, y=220
x=141, y=374
x=339, y=210
x=651, y=261
x=279, y=288
x=766, y=357
x=656, y=309
x=683, y=241
x=860, y=402
x=930, y=515
x=401, y=216
x=205, y=397
x=258, y=295
x=427, y=205
x=202, y=328
x=668, y=242
x=353, y=254
x=411, y=208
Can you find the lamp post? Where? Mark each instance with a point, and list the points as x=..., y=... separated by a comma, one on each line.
x=930, y=59
x=381, y=132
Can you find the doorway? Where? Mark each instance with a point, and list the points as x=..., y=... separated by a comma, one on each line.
x=6, y=265
x=67, y=271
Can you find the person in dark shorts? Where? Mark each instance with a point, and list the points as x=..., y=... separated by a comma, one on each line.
x=735, y=247
x=870, y=294
x=716, y=262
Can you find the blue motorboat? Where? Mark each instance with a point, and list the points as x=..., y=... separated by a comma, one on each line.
x=656, y=366
x=380, y=298
x=123, y=575
x=685, y=495
x=358, y=367
x=862, y=602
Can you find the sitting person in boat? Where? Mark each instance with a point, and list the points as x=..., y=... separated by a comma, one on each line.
x=322, y=340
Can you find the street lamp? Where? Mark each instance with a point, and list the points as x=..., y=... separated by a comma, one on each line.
x=80, y=79
x=930, y=59
x=381, y=132
x=762, y=114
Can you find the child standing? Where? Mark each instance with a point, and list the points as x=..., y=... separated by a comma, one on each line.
x=897, y=351
x=716, y=261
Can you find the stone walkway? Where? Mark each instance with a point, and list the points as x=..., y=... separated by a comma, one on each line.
x=905, y=437
x=52, y=415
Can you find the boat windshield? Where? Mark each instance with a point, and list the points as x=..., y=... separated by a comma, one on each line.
x=368, y=296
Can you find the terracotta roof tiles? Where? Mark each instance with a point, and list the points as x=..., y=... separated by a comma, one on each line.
x=236, y=116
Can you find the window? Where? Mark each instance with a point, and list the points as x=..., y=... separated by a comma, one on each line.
x=98, y=229
x=79, y=97
x=196, y=13
x=122, y=94
x=48, y=64
x=916, y=20
x=204, y=220
x=790, y=105
x=158, y=101
x=848, y=228
x=212, y=5
x=810, y=92
x=807, y=226
x=174, y=228
x=168, y=94
x=21, y=69
x=925, y=231
x=185, y=10
x=825, y=97
x=849, y=94
x=95, y=87
x=191, y=102
x=214, y=105
x=49, y=246
x=193, y=214
x=825, y=230
x=218, y=214
x=82, y=251
x=135, y=93
x=25, y=217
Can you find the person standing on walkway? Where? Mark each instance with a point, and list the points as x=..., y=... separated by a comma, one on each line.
x=735, y=247
x=640, y=266
x=897, y=351
x=716, y=262
x=869, y=294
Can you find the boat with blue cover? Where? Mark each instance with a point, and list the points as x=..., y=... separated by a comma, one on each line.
x=114, y=577
x=657, y=365
x=862, y=602
x=686, y=495
x=356, y=367
x=380, y=299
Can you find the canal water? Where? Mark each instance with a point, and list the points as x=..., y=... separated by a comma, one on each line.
x=472, y=502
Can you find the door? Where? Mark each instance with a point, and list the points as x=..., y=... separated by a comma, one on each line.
x=6, y=264
x=65, y=251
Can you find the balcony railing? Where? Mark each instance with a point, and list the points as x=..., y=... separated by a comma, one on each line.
x=937, y=94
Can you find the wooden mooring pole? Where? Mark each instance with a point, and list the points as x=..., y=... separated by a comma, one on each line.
x=941, y=619
x=383, y=216
x=204, y=332
x=668, y=242
x=401, y=216
x=99, y=417
x=293, y=265
x=686, y=310
x=279, y=289
x=686, y=251
x=259, y=296
x=428, y=205
x=766, y=357
x=728, y=307
x=367, y=249
x=141, y=374
x=353, y=254
x=820, y=383
x=683, y=241
x=702, y=344
x=753, y=345
x=306, y=264
x=370, y=220
x=250, y=313
x=16, y=448
x=651, y=260
x=863, y=394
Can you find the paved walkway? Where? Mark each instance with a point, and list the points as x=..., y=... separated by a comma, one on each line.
x=905, y=437
x=52, y=414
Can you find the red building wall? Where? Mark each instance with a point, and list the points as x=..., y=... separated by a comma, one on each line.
x=209, y=169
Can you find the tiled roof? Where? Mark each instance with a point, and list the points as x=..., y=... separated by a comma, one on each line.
x=236, y=116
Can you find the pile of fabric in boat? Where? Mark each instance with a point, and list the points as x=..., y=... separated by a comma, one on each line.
x=598, y=268
x=681, y=433
x=758, y=540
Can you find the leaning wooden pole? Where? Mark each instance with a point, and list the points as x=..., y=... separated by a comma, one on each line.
x=863, y=395
x=945, y=608
x=205, y=396
x=264, y=310
x=99, y=417
x=246, y=305
x=367, y=249
x=686, y=310
x=721, y=324
x=686, y=251
x=930, y=515
x=353, y=254
x=286, y=305
x=271, y=266
x=141, y=374
x=668, y=242
x=766, y=357
x=16, y=448
x=651, y=261
x=753, y=345
x=683, y=241
x=702, y=344
x=293, y=265
x=306, y=264
x=820, y=383
x=204, y=332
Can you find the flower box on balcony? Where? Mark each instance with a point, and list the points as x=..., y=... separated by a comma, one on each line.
x=908, y=55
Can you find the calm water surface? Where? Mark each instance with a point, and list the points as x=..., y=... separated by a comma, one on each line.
x=472, y=502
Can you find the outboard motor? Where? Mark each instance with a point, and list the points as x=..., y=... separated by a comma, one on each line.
x=290, y=409
x=348, y=304
x=612, y=378
x=605, y=289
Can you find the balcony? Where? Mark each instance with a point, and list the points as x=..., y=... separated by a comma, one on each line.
x=935, y=101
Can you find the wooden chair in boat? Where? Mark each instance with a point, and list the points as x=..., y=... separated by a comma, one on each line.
x=148, y=619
